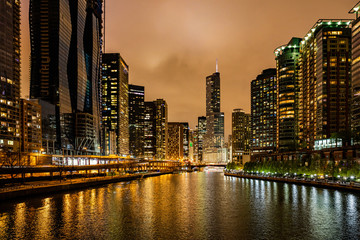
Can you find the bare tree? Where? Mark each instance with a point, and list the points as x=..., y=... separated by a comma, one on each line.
x=12, y=160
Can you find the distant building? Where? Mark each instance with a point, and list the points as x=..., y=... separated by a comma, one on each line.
x=136, y=120
x=214, y=137
x=241, y=137
x=175, y=149
x=65, y=72
x=325, y=82
x=156, y=130
x=287, y=60
x=193, y=145
x=161, y=120
x=201, y=136
x=186, y=140
x=230, y=148
x=31, y=140
x=10, y=75
x=263, y=111
x=115, y=113
x=149, y=131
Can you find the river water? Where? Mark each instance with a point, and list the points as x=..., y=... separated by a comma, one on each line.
x=199, y=205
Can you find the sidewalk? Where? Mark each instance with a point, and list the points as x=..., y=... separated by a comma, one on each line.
x=46, y=187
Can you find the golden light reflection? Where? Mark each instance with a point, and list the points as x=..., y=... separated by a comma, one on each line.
x=20, y=219
x=44, y=220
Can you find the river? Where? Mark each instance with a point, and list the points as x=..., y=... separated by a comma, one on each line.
x=199, y=205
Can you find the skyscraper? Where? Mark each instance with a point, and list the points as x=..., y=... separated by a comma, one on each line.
x=325, y=82
x=115, y=101
x=186, y=131
x=176, y=141
x=287, y=59
x=201, y=136
x=10, y=75
x=156, y=130
x=136, y=120
x=241, y=136
x=263, y=111
x=149, y=131
x=214, y=137
x=194, y=145
x=65, y=72
x=31, y=139
x=355, y=120
x=161, y=125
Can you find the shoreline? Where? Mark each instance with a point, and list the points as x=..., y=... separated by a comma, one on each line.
x=329, y=185
x=69, y=185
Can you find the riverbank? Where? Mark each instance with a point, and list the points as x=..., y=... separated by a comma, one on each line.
x=315, y=183
x=48, y=187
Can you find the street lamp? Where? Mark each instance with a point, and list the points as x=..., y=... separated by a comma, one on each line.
x=39, y=153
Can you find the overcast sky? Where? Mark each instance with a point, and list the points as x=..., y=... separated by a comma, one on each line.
x=171, y=45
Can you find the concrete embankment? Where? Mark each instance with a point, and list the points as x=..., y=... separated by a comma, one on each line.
x=323, y=184
x=56, y=186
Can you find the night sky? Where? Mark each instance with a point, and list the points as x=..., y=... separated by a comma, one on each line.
x=171, y=45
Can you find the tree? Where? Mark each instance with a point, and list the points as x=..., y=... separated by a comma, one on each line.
x=12, y=160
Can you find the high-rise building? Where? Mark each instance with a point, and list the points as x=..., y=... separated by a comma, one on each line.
x=176, y=141
x=156, y=130
x=65, y=72
x=161, y=126
x=201, y=136
x=355, y=78
x=115, y=100
x=149, y=131
x=136, y=120
x=287, y=59
x=241, y=137
x=193, y=145
x=31, y=139
x=214, y=137
x=10, y=75
x=263, y=111
x=325, y=82
x=186, y=140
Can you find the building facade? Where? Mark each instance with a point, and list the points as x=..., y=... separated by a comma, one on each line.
x=263, y=111
x=287, y=60
x=186, y=139
x=136, y=120
x=241, y=137
x=161, y=126
x=201, y=136
x=65, y=72
x=10, y=75
x=115, y=100
x=149, y=131
x=193, y=145
x=355, y=69
x=31, y=137
x=325, y=82
x=176, y=141
x=214, y=137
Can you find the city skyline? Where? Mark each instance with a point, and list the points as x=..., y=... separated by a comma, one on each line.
x=172, y=62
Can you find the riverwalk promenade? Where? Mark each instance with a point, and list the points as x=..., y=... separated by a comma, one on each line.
x=53, y=186
x=352, y=186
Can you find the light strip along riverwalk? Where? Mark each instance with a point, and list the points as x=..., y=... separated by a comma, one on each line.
x=48, y=187
x=316, y=183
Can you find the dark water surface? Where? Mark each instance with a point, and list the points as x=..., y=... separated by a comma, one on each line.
x=203, y=205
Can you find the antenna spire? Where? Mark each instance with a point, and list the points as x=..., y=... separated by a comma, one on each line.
x=217, y=66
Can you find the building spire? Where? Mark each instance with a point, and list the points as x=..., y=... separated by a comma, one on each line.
x=217, y=66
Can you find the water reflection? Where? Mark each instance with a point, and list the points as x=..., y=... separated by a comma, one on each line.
x=186, y=206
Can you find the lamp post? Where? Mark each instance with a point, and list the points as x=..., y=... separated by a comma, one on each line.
x=39, y=153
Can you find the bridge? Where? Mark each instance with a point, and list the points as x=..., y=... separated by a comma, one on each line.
x=201, y=165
